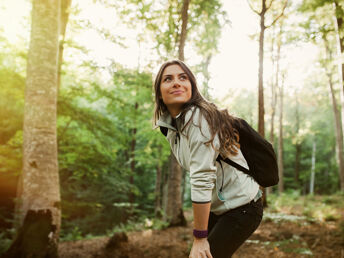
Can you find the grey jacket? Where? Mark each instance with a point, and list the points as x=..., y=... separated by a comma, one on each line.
x=221, y=184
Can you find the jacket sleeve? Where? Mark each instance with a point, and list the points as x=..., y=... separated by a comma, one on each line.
x=202, y=160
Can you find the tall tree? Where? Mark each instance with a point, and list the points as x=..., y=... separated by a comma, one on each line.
x=262, y=14
x=39, y=183
x=298, y=145
x=174, y=208
x=158, y=186
x=339, y=27
x=336, y=113
x=183, y=33
x=312, y=178
x=280, y=139
x=261, y=112
x=274, y=75
x=132, y=151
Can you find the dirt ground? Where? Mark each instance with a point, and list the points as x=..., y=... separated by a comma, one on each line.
x=273, y=238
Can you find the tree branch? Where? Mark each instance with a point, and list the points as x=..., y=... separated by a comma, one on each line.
x=249, y=4
x=279, y=16
x=268, y=7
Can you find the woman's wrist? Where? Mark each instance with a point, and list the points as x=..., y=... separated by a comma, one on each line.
x=199, y=234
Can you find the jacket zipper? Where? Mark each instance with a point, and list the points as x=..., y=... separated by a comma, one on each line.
x=223, y=175
x=177, y=136
x=175, y=142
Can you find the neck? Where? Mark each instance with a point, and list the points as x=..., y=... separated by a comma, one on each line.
x=174, y=111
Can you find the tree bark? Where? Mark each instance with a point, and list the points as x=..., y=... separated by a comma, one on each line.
x=205, y=68
x=339, y=134
x=339, y=24
x=312, y=179
x=273, y=95
x=132, y=156
x=261, y=111
x=174, y=210
x=158, y=191
x=65, y=6
x=298, y=146
x=280, y=142
x=273, y=90
x=39, y=192
x=183, y=33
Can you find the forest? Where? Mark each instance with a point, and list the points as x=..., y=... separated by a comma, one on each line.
x=85, y=173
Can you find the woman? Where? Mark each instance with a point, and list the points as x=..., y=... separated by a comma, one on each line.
x=226, y=202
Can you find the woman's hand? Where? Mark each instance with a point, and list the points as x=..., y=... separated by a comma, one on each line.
x=200, y=249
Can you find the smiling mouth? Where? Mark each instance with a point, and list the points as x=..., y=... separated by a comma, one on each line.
x=177, y=92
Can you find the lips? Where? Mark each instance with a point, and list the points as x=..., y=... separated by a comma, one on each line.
x=177, y=92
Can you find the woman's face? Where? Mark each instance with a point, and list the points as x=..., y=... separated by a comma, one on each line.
x=175, y=88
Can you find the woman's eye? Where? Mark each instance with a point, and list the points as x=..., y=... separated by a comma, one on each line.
x=183, y=77
x=167, y=79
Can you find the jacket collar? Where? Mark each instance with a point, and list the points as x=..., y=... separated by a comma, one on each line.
x=165, y=119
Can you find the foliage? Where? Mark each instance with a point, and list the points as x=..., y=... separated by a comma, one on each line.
x=95, y=130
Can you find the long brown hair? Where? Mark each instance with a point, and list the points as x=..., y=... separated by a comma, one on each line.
x=220, y=121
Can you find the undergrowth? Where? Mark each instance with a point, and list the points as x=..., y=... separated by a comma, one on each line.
x=313, y=208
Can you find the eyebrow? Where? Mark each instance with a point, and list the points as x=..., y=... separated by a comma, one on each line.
x=172, y=74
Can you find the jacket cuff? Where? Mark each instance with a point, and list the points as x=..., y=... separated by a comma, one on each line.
x=201, y=195
x=201, y=202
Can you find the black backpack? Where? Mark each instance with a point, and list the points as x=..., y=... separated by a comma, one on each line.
x=259, y=154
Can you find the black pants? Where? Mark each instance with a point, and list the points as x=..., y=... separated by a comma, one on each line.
x=228, y=231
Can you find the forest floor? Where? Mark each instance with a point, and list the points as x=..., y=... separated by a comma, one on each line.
x=282, y=234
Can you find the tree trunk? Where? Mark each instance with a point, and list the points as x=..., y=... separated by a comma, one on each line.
x=339, y=134
x=298, y=149
x=273, y=90
x=205, y=68
x=273, y=112
x=174, y=211
x=280, y=142
x=65, y=6
x=274, y=86
x=297, y=144
x=311, y=183
x=339, y=12
x=165, y=182
x=40, y=213
x=174, y=207
x=183, y=33
x=338, y=125
x=158, y=192
x=132, y=156
x=261, y=111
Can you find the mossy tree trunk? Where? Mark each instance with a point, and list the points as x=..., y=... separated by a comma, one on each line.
x=39, y=192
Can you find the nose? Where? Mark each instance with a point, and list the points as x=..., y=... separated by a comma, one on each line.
x=176, y=83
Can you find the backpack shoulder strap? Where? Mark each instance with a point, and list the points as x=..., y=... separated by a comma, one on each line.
x=163, y=130
x=233, y=164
